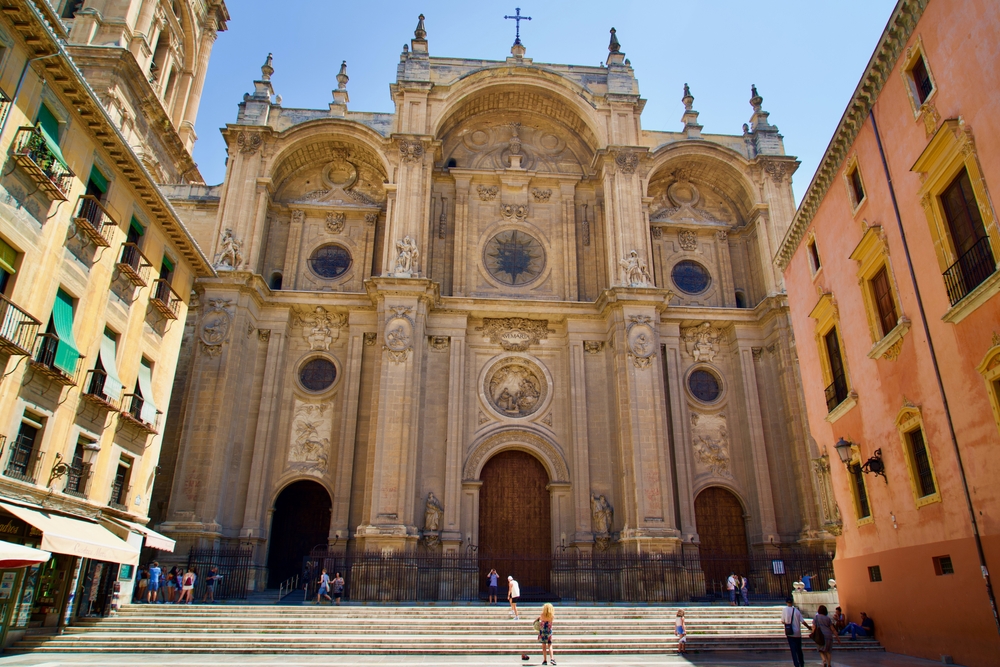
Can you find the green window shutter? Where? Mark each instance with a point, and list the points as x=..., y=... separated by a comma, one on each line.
x=50, y=132
x=167, y=263
x=8, y=256
x=67, y=352
x=136, y=227
x=97, y=178
x=145, y=381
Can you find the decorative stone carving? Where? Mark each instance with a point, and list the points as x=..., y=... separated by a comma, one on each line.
x=298, y=217
x=757, y=353
x=657, y=233
x=585, y=226
x=641, y=340
x=371, y=219
x=722, y=236
x=547, y=420
x=406, y=259
x=634, y=272
x=433, y=512
x=216, y=325
x=687, y=239
x=832, y=521
x=514, y=212
x=593, y=346
x=710, y=440
x=488, y=192
x=548, y=453
x=931, y=118
x=626, y=161
x=702, y=341
x=250, y=329
x=248, y=142
x=682, y=203
x=310, y=448
x=515, y=334
x=410, y=151
x=541, y=195
x=264, y=335
x=439, y=342
x=335, y=222
x=370, y=338
x=602, y=514
x=230, y=255
x=483, y=418
x=515, y=387
x=776, y=170
x=399, y=328
x=320, y=328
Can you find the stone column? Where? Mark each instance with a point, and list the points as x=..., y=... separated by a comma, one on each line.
x=402, y=306
x=451, y=534
x=193, y=101
x=582, y=528
x=681, y=432
x=460, y=283
x=290, y=270
x=244, y=196
x=725, y=263
x=567, y=193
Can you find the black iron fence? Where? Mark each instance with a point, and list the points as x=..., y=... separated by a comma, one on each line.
x=970, y=271
x=234, y=565
x=612, y=576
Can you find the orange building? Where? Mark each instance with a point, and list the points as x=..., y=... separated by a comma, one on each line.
x=891, y=271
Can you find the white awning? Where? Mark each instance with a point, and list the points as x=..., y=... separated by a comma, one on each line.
x=16, y=555
x=154, y=540
x=63, y=535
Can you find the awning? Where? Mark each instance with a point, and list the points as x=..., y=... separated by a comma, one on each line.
x=16, y=555
x=112, y=383
x=154, y=540
x=67, y=352
x=63, y=535
x=148, y=411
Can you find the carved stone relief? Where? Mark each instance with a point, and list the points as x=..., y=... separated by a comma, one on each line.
x=350, y=179
x=634, y=271
x=687, y=239
x=248, y=142
x=514, y=212
x=216, y=324
x=539, y=149
x=320, y=328
x=298, y=217
x=488, y=192
x=439, y=343
x=335, y=222
x=410, y=151
x=641, y=340
x=230, y=255
x=702, y=341
x=371, y=219
x=399, y=327
x=515, y=387
x=602, y=514
x=657, y=233
x=593, y=346
x=370, y=338
x=541, y=195
x=515, y=334
x=683, y=202
x=832, y=521
x=626, y=161
x=310, y=442
x=406, y=259
x=710, y=441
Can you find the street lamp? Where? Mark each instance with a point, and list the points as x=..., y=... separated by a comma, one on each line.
x=843, y=448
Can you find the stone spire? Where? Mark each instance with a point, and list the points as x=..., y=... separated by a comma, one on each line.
x=763, y=136
x=690, y=118
x=418, y=45
x=340, y=97
x=420, y=32
x=267, y=69
x=255, y=109
x=262, y=86
x=615, y=54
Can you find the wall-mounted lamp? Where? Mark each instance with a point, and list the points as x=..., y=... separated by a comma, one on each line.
x=843, y=448
x=875, y=466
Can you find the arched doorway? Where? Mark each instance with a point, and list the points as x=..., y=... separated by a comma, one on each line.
x=515, y=521
x=300, y=521
x=723, y=534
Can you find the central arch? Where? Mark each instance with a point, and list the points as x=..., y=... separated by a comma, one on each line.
x=301, y=520
x=723, y=535
x=515, y=519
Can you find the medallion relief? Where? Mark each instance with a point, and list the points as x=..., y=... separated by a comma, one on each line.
x=216, y=324
x=641, y=340
x=515, y=387
x=399, y=333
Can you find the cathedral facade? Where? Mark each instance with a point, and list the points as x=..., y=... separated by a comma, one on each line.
x=504, y=316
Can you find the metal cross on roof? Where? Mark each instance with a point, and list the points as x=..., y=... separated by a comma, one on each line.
x=517, y=19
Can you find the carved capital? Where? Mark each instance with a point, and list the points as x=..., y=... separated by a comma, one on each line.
x=249, y=142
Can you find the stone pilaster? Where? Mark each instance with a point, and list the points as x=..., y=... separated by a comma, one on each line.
x=583, y=529
x=626, y=230
x=758, y=465
x=410, y=210
x=451, y=534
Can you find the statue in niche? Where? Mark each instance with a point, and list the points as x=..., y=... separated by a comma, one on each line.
x=406, y=261
x=602, y=513
x=230, y=251
x=433, y=511
x=634, y=273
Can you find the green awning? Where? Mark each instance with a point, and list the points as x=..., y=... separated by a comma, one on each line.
x=67, y=352
x=145, y=379
x=97, y=178
x=8, y=257
x=50, y=132
x=112, y=383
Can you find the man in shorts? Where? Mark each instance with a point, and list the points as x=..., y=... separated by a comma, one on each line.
x=153, y=588
x=492, y=599
x=513, y=594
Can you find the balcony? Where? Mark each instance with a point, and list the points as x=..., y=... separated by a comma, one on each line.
x=22, y=464
x=970, y=271
x=133, y=265
x=131, y=413
x=42, y=164
x=77, y=480
x=94, y=391
x=43, y=360
x=17, y=328
x=93, y=221
x=165, y=299
x=119, y=496
x=836, y=393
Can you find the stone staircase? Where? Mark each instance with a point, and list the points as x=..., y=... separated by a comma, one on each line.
x=452, y=630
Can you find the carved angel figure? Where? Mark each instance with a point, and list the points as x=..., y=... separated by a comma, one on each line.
x=634, y=273
x=406, y=261
x=433, y=512
x=230, y=251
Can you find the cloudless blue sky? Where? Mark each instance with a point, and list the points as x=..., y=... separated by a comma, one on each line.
x=806, y=56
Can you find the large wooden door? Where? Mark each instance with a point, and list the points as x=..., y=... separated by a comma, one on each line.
x=300, y=522
x=723, y=534
x=515, y=521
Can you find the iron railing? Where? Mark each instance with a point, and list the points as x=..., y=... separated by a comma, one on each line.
x=837, y=392
x=94, y=390
x=17, y=328
x=43, y=360
x=33, y=155
x=165, y=299
x=22, y=463
x=131, y=412
x=234, y=565
x=970, y=271
x=133, y=265
x=611, y=576
x=93, y=221
x=77, y=480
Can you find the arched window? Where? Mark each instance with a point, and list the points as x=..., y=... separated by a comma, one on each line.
x=275, y=282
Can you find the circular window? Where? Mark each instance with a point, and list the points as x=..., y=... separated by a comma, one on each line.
x=514, y=258
x=690, y=277
x=704, y=386
x=318, y=374
x=330, y=261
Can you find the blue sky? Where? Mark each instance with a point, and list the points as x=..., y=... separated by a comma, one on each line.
x=806, y=56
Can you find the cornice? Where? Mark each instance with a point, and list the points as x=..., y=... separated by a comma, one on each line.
x=897, y=32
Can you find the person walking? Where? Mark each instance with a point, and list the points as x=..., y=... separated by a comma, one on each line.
x=172, y=585
x=744, y=592
x=210, y=579
x=732, y=585
x=338, y=588
x=680, y=629
x=544, y=626
x=513, y=595
x=492, y=576
x=823, y=624
x=324, y=587
x=153, y=588
x=792, y=619
x=187, y=587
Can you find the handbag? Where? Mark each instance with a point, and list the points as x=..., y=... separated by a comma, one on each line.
x=817, y=635
x=537, y=625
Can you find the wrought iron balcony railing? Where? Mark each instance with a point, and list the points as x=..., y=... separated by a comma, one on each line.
x=45, y=168
x=119, y=496
x=970, y=271
x=131, y=412
x=43, y=360
x=17, y=328
x=133, y=265
x=93, y=221
x=836, y=393
x=22, y=463
x=77, y=480
x=165, y=299
x=94, y=390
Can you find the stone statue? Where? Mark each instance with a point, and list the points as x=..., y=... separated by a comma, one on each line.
x=230, y=251
x=603, y=514
x=406, y=261
x=320, y=329
x=634, y=273
x=433, y=513
x=702, y=341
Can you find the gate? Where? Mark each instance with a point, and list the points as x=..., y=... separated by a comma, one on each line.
x=234, y=565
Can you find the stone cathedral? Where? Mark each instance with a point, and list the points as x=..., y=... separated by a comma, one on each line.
x=503, y=317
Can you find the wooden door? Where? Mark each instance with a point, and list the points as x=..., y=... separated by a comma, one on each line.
x=515, y=521
x=300, y=522
x=723, y=534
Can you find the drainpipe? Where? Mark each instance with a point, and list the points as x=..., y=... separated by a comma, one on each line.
x=20, y=84
x=937, y=375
